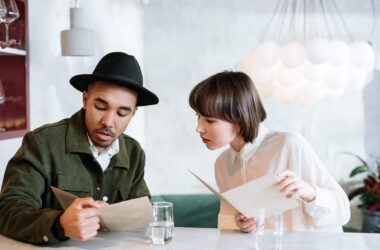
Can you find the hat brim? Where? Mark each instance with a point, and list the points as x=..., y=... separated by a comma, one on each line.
x=145, y=97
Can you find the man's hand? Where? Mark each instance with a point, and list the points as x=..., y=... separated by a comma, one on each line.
x=80, y=221
x=245, y=224
x=294, y=187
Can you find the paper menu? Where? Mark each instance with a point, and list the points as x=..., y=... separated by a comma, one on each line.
x=254, y=195
x=217, y=194
x=130, y=215
x=64, y=198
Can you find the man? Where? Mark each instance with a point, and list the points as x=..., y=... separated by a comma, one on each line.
x=87, y=155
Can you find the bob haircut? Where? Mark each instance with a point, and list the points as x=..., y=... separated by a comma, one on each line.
x=232, y=97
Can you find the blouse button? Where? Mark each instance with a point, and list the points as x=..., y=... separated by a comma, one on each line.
x=105, y=198
x=45, y=238
x=98, y=188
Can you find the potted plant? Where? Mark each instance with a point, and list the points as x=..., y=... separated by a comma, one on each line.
x=368, y=192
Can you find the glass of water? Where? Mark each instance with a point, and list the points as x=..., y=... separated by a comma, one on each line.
x=162, y=224
x=269, y=231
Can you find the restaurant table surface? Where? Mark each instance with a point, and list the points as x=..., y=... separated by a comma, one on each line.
x=207, y=238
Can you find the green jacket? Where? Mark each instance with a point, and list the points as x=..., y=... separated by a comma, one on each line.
x=59, y=155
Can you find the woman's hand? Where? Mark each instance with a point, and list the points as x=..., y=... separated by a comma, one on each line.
x=245, y=224
x=293, y=186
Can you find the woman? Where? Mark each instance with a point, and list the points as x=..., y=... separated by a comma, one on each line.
x=230, y=112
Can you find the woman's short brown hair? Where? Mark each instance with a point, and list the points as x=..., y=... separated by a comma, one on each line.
x=232, y=97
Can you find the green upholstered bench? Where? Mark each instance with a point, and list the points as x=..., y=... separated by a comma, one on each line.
x=198, y=210
x=193, y=210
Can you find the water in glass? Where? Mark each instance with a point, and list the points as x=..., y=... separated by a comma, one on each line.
x=162, y=224
x=269, y=231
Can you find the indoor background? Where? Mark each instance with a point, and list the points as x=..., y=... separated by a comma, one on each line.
x=179, y=43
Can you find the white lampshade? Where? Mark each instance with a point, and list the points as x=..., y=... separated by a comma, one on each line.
x=262, y=76
x=267, y=53
x=286, y=94
x=249, y=62
x=303, y=58
x=292, y=54
x=340, y=52
x=314, y=72
x=337, y=77
x=267, y=90
x=312, y=92
x=288, y=77
x=77, y=41
x=318, y=50
x=362, y=55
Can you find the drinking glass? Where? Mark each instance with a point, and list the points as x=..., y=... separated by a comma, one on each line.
x=2, y=92
x=269, y=231
x=8, y=14
x=2, y=108
x=162, y=224
x=3, y=10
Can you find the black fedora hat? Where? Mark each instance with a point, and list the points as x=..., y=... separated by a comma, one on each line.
x=121, y=69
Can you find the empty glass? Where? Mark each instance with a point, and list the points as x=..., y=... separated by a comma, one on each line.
x=3, y=9
x=2, y=92
x=269, y=231
x=162, y=224
x=8, y=13
x=2, y=108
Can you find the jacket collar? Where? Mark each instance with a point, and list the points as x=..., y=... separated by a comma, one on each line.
x=77, y=141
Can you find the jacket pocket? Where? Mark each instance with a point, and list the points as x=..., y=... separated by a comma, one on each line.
x=76, y=185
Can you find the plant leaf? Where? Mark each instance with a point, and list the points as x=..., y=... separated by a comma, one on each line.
x=368, y=199
x=356, y=192
x=358, y=157
x=358, y=170
x=374, y=207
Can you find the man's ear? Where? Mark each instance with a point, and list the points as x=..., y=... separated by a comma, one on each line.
x=85, y=99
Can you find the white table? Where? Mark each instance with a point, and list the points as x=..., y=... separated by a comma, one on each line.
x=202, y=238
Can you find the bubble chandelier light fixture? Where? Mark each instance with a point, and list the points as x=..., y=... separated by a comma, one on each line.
x=307, y=54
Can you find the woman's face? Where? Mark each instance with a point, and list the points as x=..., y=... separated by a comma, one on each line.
x=216, y=133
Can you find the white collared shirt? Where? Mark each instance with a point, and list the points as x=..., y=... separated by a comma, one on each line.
x=104, y=158
x=270, y=153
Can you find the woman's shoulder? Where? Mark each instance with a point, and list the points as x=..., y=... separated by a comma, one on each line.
x=289, y=139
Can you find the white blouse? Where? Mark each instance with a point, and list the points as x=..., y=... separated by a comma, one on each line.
x=270, y=153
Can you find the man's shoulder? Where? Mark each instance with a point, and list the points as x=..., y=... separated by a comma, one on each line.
x=51, y=127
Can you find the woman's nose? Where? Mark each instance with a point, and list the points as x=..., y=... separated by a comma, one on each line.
x=199, y=128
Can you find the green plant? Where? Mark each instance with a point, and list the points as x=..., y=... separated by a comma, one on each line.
x=369, y=192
